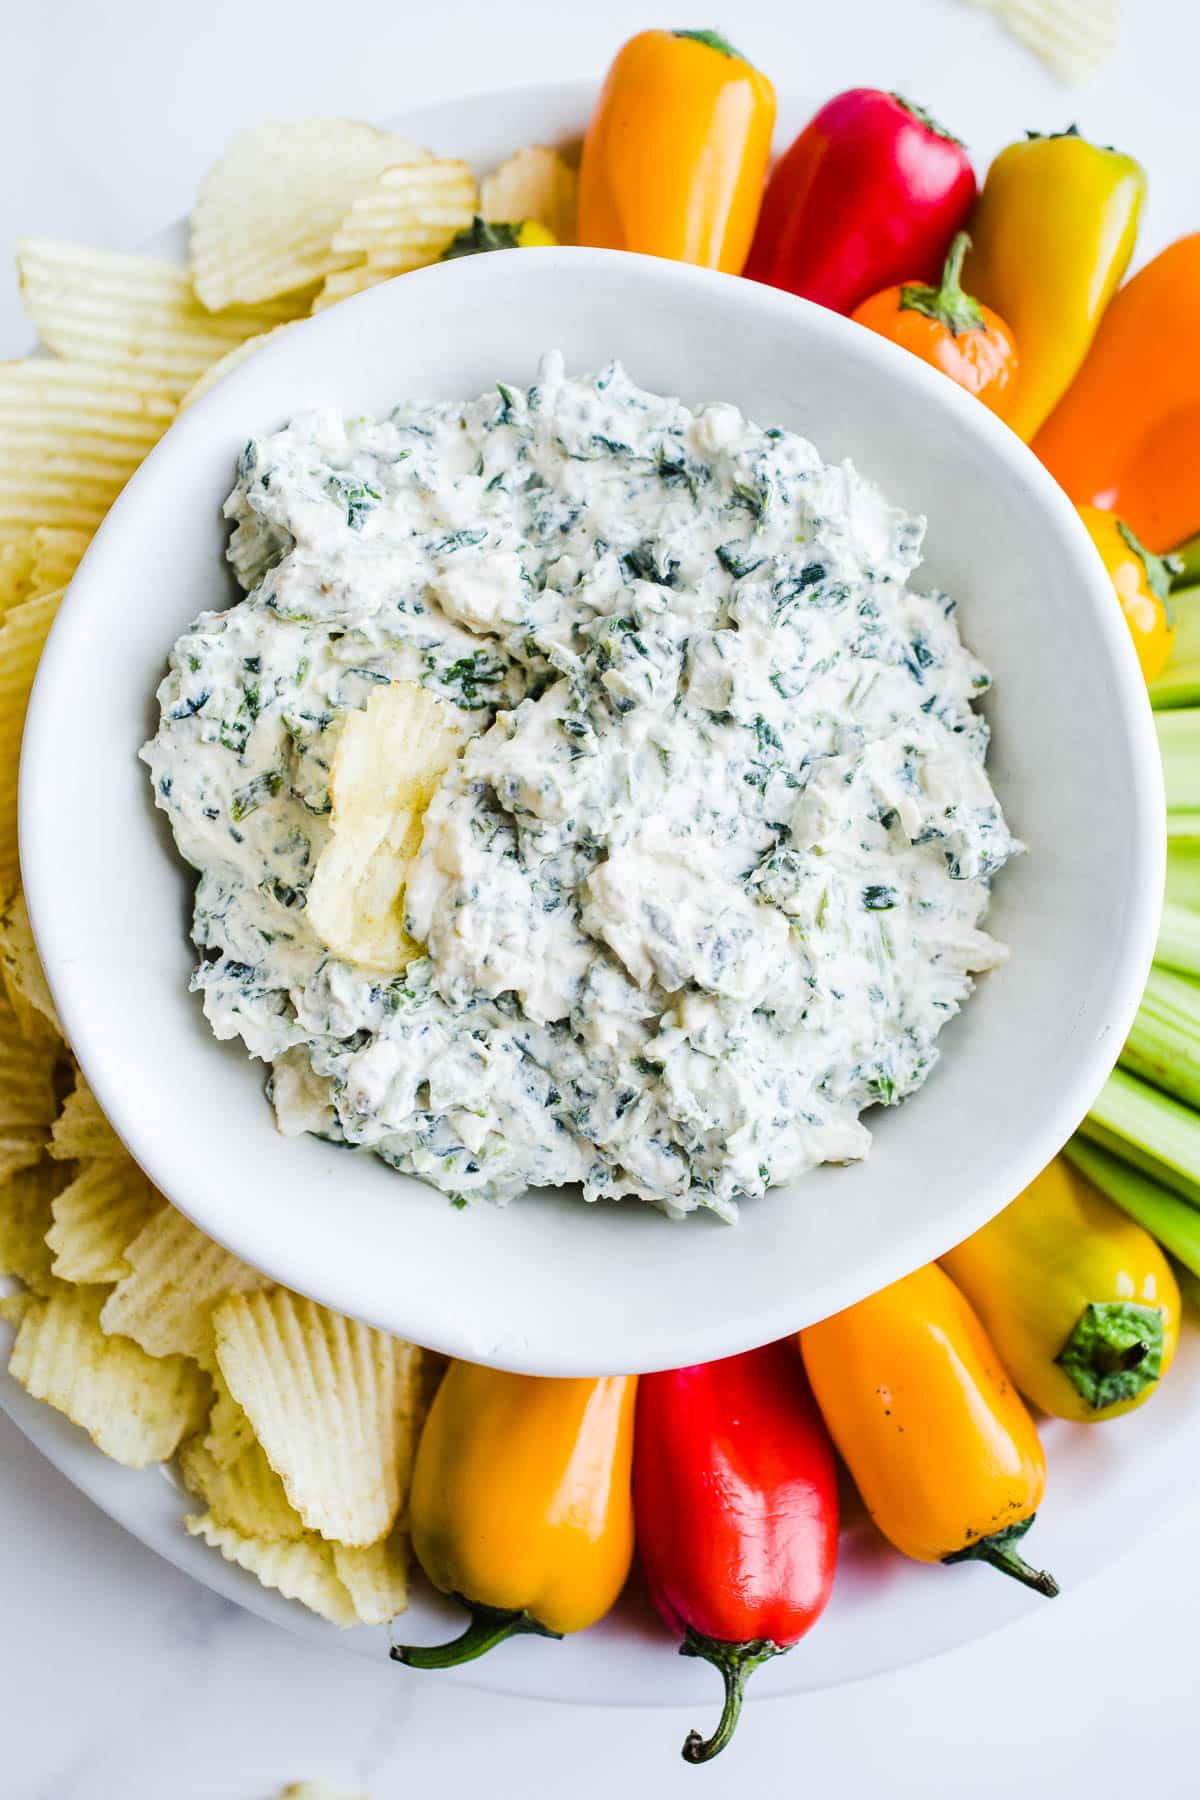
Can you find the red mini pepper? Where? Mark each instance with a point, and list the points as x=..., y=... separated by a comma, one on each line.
x=735, y=1503
x=870, y=194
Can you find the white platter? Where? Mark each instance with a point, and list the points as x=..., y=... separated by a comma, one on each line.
x=1108, y=1485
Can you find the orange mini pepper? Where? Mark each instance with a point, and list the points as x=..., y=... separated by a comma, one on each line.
x=676, y=154
x=522, y=1505
x=1142, y=582
x=940, y=1444
x=1126, y=436
x=950, y=329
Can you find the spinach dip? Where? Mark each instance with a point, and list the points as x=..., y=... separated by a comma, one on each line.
x=710, y=879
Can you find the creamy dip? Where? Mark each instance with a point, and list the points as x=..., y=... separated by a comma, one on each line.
x=711, y=880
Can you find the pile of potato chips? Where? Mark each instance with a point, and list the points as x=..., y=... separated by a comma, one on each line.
x=293, y=1427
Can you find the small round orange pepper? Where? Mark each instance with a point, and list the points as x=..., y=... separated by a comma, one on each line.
x=1143, y=585
x=949, y=329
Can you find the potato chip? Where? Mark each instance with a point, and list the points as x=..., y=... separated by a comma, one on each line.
x=23, y=633
x=320, y=1790
x=376, y=1577
x=21, y=969
x=71, y=435
x=134, y=312
x=231, y=360
x=16, y=568
x=14, y=1306
x=1073, y=37
x=388, y=763
x=403, y=221
x=98, y=1216
x=81, y=1129
x=343, y=284
x=301, y=1569
x=177, y=1275
x=25, y=1218
x=265, y=217
x=332, y=1402
x=20, y=1150
x=134, y=1407
x=57, y=553
x=229, y=1430
x=535, y=183
x=27, y=1064
x=246, y=1494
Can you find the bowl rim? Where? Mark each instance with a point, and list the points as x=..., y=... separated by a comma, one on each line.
x=427, y=1322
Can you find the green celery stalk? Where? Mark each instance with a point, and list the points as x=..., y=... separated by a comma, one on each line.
x=1164, y=1044
x=1183, y=875
x=1149, y=1165
x=1179, y=683
x=1154, y=1126
x=1178, y=944
x=1179, y=745
x=1164, y=1215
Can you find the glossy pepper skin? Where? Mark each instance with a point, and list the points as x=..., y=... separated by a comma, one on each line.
x=737, y=1515
x=950, y=330
x=939, y=1442
x=870, y=193
x=1079, y=1301
x=1051, y=238
x=521, y=1504
x=676, y=153
x=1126, y=436
x=1142, y=582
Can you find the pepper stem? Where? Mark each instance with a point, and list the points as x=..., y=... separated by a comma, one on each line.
x=489, y=1626
x=714, y=41
x=735, y=1664
x=1000, y=1550
x=946, y=304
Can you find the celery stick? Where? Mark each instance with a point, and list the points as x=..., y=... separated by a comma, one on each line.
x=1141, y=1159
x=1183, y=875
x=1179, y=683
x=1172, y=1221
x=1164, y=1043
x=1178, y=944
x=1152, y=1122
x=1179, y=743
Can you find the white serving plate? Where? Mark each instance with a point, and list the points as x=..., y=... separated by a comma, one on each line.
x=1109, y=1485
x=548, y=1285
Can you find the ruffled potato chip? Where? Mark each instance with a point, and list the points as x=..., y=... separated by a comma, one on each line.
x=98, y=1216
x=266, y=215
x=332, y=1402
x=232, y=359
x=244, y=1494
x=534, y=183
x=81, y=1130
x=134, y=1407
x=71, y=435
x=376, y=1577
x=389, y=761
x=23, y=633
x=299, y=1569
x=16, y=568
x=176, y=1277
x=135, y=312
x=25, y=1219
x=403, y=221
x=21, y=969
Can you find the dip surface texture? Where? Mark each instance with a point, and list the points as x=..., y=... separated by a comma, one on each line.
x=711, y=879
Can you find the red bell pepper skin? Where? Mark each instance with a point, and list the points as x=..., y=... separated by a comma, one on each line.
x=870, y=194
x=736, y=1511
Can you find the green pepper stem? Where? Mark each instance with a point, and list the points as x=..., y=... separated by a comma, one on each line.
x=489, y=1626
x=714, y=41
x=946, y=304
x=735, y=1664
x=1000, y=1550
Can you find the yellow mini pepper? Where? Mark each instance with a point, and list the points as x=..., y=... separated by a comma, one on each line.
x=1143, y=587
x=1052, y=234
x=1077, y=1298
x=521, y=1504
x=676, y=154
x=940, y=1444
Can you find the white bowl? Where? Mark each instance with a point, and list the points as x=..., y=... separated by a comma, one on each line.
x=547, y=1284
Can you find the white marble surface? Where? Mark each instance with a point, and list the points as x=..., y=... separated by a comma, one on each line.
x=120, y=1679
